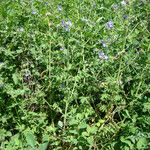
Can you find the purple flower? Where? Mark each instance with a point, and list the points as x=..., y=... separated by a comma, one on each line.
x=69, y=23
x=34, y=12
x=46, y=3
x=59, y=7
x=109, y=25
x=66, y=25
x=102, y=56
x=63, y=23
x=125, y=16
x=115, y=6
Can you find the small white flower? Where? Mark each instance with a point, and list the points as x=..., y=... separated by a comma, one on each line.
x=48, y=14
x=123, y=3
x=60, y=124
x=21, y=29
x=69, y=23
x=62, y=48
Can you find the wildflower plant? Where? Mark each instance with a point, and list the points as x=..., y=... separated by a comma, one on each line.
x=109, y=25
x=103, y=43
x=66, y=25
x=34, y=12
x=75, y=76
x=59, y=7
x=102, y=56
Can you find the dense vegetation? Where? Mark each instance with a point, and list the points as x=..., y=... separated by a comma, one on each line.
x=74, y=75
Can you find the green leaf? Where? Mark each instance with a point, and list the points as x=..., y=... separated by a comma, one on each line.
x=90, y=140
x=73, y=132
x=127, y=113
x=126, y=148
x=15, y=78
x=126, y=141
x=16, y=140
x=85, y=134
x=43, y=146
x=92, y=129
x=147, y=106
x=30, y=139
x=82, y=126
x=73, y=122
x=100, y=122
x=142, y=143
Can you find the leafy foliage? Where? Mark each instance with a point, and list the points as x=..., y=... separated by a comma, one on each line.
x=74, y=75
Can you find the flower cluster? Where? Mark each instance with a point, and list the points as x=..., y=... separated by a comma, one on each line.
x=115, y=7
x=109, y=25
x=66, y=25
x=102, y=56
